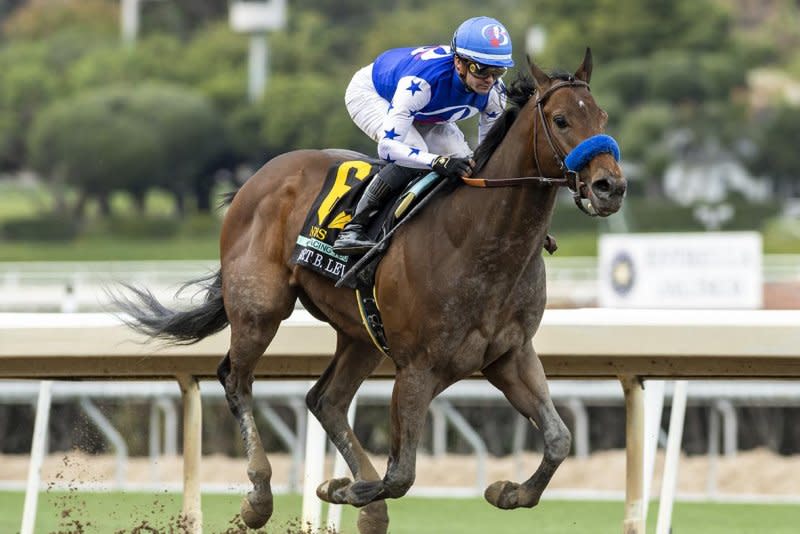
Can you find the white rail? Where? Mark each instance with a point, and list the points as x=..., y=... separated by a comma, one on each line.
x=590, y=343
x=78, y=286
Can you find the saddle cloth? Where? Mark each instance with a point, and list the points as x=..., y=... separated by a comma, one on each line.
x=333, y=209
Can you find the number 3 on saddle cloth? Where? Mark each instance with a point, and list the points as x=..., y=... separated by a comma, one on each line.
x=332, y=210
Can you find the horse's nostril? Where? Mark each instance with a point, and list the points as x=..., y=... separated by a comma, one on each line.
x=602, y=186
x=608, y=187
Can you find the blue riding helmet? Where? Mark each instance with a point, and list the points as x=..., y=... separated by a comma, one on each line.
x=483, y=40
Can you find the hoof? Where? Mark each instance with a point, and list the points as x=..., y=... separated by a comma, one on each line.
x=363, y=492
x=334, y=491
x=252, y=518
x=503, y=494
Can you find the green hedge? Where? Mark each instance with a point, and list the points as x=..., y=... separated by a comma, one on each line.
x=49, y=227
x=141, y=227
x=201, y=225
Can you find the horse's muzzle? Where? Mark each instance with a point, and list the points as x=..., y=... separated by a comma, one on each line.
x=608, y=192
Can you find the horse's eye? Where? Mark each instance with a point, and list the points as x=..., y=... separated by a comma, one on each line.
x=560, y=121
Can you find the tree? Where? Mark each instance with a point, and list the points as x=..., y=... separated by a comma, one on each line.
x=643, y=136
x=215, y=62
x=129, y=139
x=308, y=112
x=777, y=155
x=25, y=86
x=36, y=20
x=192, y=136
x=7, y=7
x=669, y=70
x=92, y=142
x=34, y=74
x=626, y=29
x=182, y=17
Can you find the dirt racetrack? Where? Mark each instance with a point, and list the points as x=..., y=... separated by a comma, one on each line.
x=752, y=472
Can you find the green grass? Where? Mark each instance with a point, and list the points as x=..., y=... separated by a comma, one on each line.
x=575, y=243
x=123, y=513
x=110, y=249
x=31, y=201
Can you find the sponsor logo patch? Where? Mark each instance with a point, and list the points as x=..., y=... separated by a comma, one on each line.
x=495, y=34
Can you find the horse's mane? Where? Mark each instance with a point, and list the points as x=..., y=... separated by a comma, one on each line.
x=226, y=198
x=518, y=93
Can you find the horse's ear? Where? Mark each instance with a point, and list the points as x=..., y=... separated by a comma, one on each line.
x=539, y=76
x=584, y=72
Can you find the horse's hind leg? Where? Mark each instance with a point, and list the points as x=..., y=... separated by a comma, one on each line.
x=329, y=400
x=519, y=375
x=255, y=305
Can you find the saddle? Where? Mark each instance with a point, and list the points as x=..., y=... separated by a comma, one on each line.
x=333, y=209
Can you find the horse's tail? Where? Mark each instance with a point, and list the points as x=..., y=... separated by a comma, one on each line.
x=147, y=315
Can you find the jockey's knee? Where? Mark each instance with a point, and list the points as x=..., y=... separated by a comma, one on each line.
x=396, y=176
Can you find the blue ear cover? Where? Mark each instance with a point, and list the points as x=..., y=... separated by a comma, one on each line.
x=582, y=154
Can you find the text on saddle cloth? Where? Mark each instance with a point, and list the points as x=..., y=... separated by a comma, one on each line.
x=333, y=209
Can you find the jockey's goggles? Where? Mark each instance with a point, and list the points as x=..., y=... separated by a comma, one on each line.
x=484, y=71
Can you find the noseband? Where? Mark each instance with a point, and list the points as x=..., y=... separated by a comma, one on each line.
x=569, y=164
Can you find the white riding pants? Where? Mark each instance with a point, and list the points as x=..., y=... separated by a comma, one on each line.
x=368, y=110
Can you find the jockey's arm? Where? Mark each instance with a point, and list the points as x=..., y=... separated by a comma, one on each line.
x=494, y=108
x=411, y=94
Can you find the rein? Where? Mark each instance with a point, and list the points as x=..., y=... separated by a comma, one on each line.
x=570, y=178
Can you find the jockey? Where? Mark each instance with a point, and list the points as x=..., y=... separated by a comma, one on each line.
x=408, y=101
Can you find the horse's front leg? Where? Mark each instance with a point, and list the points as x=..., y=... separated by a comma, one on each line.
x=413, y=391
x=329, y=400
x=520, y=376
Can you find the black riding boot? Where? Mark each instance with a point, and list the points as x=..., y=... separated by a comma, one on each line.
x=353, y=239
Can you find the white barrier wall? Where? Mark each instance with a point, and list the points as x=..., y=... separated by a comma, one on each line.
x=628, y=344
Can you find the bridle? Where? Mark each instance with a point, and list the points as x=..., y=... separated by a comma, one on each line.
x=570, y=178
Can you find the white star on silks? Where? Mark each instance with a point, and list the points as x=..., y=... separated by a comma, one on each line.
x=390, y=134
x=414, y=152
x=414, y=87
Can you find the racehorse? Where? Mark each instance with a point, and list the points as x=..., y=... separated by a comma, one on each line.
x=461, y=290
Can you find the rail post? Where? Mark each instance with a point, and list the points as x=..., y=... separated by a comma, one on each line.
x=192, y=450
x=633, y=522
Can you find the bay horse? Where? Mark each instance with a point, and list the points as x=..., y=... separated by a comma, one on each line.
x=461, y=291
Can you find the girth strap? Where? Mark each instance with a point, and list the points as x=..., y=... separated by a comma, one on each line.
x=371, y=316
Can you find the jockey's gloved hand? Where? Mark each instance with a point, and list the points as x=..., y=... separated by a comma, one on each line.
x=453, y=168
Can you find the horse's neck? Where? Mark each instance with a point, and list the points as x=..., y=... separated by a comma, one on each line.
x=519, y=213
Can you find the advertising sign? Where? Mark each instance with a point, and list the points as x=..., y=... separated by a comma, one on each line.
x=687, y=270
